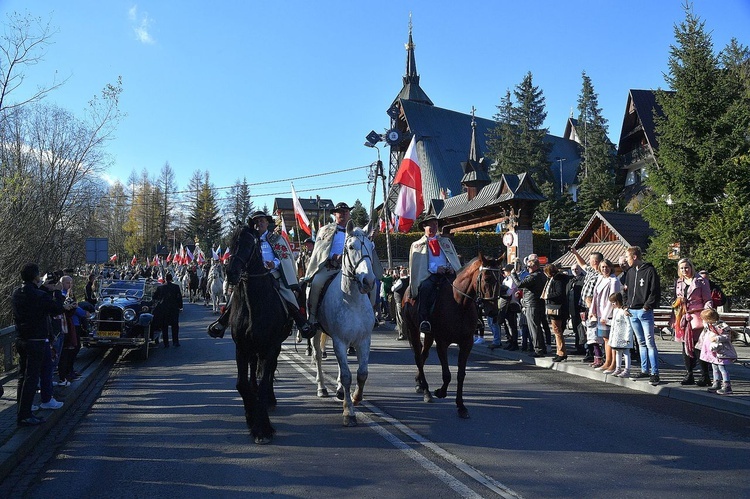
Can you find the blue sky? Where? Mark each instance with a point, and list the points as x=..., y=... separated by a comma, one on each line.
x=280, y=89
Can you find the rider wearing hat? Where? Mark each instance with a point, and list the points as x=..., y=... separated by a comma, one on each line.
x=325, y=260
x=431, y=259
x=278, y=259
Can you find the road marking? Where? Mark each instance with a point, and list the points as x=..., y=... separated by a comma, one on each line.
x=299, y=364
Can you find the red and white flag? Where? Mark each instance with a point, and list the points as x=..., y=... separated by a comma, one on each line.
x=169, y=257
x=299, y=214
x=113, y=258
x=155, y=261
x=199, y=259
x=225, y=256
x=188, y=255
x=182, y=255
x=215, y=253
x=409, y=204
x=284, y=233
x=133, y=262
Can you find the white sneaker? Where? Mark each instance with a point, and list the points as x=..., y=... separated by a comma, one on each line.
x=52, y=404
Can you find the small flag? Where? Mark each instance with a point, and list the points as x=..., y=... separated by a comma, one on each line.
x=113, y=258
x=169, y=257
x=547, y=223
x=134, y=261
x=498, y=228
x=299, y=214
x=215, y=254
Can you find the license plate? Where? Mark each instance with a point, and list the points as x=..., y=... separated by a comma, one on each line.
x=109, y=334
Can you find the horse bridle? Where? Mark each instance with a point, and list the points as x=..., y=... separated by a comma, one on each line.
x=352, y=276
x=244, y=276
x=479, y=300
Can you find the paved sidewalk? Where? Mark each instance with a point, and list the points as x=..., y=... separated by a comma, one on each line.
x=671, y=371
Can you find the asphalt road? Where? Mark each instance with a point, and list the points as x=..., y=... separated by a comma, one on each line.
x=173, y=426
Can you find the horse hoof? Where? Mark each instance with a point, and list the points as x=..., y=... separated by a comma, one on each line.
x=323, y=392
x=350, y=420
x=440, y=393
x=262, y=440
x=418, y=389
x=463, y=413
x=340, y=394
x=357, y=401
x=427, y=397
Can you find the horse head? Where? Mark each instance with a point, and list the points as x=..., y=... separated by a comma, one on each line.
x=245, y=254
x=356, y=262
x=488, y=284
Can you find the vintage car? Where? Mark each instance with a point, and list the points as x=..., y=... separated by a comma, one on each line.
x=123, y=315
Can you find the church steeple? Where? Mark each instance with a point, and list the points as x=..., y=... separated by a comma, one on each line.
x=476, y=175
x=411, y=89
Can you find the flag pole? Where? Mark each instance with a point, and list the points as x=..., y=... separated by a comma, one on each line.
x=386, y=213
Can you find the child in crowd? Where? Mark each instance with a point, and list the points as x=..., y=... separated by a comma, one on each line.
x=620, y=336
x=717, y=349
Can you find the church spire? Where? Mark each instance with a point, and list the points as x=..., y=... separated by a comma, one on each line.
x=411, y=89
x=475, y=169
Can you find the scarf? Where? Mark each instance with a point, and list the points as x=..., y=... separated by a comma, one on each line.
x=434, y=245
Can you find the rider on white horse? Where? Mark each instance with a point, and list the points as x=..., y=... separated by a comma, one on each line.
x=325, y=261
x=278, y=258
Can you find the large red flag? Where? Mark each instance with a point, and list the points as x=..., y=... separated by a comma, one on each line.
x=299, y=214
x=409, y=204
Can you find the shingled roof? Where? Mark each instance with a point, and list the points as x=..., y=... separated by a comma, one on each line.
x=609, y=233
x=444, y=139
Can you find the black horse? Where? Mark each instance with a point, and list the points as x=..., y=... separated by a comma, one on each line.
x=259, y=326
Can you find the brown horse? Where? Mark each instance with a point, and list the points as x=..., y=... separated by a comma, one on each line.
x=454, y=320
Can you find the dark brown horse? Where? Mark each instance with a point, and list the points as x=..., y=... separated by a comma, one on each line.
x=259, y=325
x=454, y=320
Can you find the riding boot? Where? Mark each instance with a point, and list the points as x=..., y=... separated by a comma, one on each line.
x=305, y=328
x=217, y=328
x=688, y=379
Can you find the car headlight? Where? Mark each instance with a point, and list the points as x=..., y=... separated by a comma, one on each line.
x=128, y=314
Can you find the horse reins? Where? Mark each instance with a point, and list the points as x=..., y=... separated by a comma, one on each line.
x=352, y=276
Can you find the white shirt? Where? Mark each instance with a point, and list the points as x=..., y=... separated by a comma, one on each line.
x=337, y=244
x=435, y=261
x=267, y=251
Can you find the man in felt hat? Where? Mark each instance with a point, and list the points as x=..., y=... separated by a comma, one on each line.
x=279, y=259
x=325, y=260
x=432, y=259
x=303, y=260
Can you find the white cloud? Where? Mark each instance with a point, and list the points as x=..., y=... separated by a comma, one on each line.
x=141, y=24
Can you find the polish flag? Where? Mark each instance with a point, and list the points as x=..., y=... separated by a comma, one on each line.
x=225, y=256
x=169, y=257
x=134, y=261
x=199, y=259
x=188, y=255
x=409, y=204
x=113, y=258
x=155, y=261
x=299, y=214
x=284, y=233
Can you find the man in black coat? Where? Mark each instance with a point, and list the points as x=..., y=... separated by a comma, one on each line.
x=573, y=289
x=168, y=300
x=32, y=308
x=533, y=305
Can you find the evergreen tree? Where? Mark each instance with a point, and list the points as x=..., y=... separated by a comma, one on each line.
x=359, y=214
x=694, y=153
x=503, y=141
x=204, y=222
x=239, y=205
x=597, y=171
x=529, y=114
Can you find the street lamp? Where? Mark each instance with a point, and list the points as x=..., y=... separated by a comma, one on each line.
x=560, y=160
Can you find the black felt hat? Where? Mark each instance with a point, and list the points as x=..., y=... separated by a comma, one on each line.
x=427, y=219
x=340, y=207
x=258, y=214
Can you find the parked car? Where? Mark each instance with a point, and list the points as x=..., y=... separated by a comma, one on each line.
x=123, y=315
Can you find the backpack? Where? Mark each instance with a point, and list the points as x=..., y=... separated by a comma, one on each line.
x=718, y=298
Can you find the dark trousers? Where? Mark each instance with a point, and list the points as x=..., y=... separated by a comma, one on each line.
x=30, y=359
x=510, y=320
x=427, y=293
x=579, y=336
x=174, y=322
x=535, y=318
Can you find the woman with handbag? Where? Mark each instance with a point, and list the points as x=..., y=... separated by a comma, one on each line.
x=693, y=295
x=602, y=310
x=556, y=306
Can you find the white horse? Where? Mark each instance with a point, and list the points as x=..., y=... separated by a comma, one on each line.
x=216, y=286
x=346, y=315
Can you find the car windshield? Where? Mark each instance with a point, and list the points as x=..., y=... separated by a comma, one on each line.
x=137, y=289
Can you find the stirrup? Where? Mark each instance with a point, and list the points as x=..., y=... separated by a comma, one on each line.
x=216, y=330
x=308, y=330
x=425, y=327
